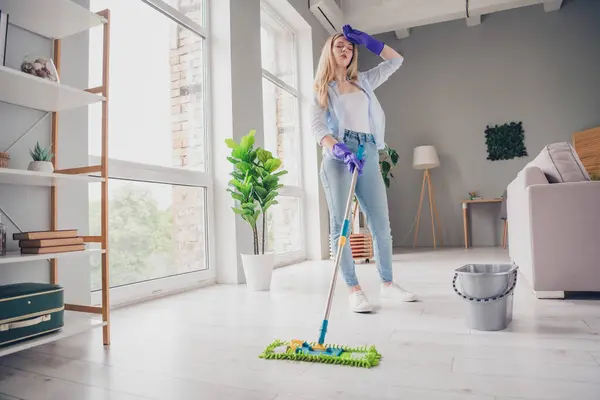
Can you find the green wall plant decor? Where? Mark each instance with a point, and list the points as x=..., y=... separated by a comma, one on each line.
x=506, y=141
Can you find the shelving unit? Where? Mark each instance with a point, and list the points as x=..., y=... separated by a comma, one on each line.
x=21, y=177
x=16, y=256
x=55, y=20
x=17, y=88
x=75, y=323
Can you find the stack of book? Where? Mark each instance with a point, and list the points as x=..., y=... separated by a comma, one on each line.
x=44, y=242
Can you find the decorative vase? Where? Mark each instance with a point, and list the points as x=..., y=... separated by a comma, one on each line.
x=42, y=67
x=41, y=166
x=258, y=269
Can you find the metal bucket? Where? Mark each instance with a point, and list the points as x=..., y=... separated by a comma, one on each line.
x=488, y=290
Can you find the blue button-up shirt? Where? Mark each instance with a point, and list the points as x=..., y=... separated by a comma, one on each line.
x=327, y=122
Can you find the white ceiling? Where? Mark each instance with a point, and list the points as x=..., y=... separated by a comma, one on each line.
x=399, y=16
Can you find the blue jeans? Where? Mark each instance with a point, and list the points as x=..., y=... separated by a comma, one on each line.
x=371, y=194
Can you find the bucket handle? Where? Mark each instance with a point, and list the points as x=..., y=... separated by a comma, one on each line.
x=488, y=299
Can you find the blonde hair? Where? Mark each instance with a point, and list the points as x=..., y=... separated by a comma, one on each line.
x=326, y=70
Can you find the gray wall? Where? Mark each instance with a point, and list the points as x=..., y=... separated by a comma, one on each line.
x=30, y=206
x=520, y=65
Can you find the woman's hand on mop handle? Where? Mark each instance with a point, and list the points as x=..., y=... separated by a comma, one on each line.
x=343, y=153
x=357, y=37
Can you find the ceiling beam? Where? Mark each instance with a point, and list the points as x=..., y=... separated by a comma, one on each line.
x=380, y=19
x=474, y=20
x=552, y=5
x=402, y=33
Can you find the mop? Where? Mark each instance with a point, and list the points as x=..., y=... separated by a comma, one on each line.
x=319, y=352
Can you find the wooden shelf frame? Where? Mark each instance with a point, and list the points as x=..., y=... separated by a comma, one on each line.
x=21, y=177
x=14, y=257
x=103, y=90
x=52, y=19
x=75, y=324
x=18, y=87
x=57, y=23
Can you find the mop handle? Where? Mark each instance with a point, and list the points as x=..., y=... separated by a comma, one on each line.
x=341, y=242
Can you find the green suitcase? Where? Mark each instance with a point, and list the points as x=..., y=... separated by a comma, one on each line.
x=28, y=310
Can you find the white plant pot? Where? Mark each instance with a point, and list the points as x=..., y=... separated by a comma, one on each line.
x=41, y=166
x=258, y=270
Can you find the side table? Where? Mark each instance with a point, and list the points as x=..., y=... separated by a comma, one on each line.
x=465, y=208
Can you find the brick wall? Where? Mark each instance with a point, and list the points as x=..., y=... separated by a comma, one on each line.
x=283, y=219
x=187, y=124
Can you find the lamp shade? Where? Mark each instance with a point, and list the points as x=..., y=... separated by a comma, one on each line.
x=425, y=157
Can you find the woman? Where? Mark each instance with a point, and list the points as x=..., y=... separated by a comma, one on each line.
x=347, y=113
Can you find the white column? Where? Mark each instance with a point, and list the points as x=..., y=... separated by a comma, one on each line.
x=236, y=107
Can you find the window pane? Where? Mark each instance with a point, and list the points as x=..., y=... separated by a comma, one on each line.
x=281, y=130
x=193, y=9
x=156, y=108
x=285, y=229
x=155, y=230
x=277, y=48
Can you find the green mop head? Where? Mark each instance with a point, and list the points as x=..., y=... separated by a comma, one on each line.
x=365, y=357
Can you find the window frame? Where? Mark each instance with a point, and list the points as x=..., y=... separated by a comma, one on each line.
x=295, y=191
x=135, y=171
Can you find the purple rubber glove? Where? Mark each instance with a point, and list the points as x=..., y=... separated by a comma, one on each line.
x=343, y=153
x=357, y=37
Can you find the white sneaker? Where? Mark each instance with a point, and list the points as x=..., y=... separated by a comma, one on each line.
x=359, y=302
x=395, y=292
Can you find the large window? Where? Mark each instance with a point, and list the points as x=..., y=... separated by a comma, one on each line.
x=160, y=189
x=157, y=108
x=282, y=133
x=156, y=230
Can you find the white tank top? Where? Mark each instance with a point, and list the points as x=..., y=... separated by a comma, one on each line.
x=356, y=112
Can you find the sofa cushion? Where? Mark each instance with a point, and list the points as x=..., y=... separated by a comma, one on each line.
x=560, y=163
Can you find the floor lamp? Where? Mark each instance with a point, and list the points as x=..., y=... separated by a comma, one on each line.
x=425, y=158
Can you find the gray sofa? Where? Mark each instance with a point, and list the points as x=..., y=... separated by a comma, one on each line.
x=553, y=209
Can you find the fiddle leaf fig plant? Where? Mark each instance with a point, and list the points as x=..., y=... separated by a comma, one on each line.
x=267, y=185
x=244, y=177
x=254, y=183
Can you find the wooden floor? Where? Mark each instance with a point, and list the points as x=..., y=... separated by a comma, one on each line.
x=205, y=344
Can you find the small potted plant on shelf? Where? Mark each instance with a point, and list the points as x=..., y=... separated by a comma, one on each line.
x=254, y=185
x=41, y=159
x=474, y=196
